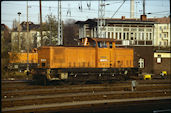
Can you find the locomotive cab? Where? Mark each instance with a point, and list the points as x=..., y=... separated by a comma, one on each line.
x=98, y=43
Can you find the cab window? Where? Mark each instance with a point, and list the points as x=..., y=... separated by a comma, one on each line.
x=110, y=44
x=93, y=44
x=102, y=45
x=99, y=44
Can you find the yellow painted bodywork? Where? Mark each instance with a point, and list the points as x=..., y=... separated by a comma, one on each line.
x=123, y=57
x=84, y=57
x=67, y=57
x=22, y=57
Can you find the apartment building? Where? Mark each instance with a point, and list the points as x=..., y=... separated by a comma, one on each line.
x=162, y=32
x=34, y=38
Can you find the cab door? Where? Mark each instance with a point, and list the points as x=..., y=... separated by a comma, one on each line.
x=103, y=55
x=112, y=54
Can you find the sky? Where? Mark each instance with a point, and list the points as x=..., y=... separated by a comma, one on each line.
x=9, y=10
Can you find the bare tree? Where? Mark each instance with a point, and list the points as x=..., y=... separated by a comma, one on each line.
x=51, y=28
x=15, y=24
x=5, y=48
x=70, y=31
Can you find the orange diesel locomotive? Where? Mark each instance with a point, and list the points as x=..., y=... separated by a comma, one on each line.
x=98, y=59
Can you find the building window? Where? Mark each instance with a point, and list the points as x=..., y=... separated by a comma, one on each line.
x=160, y=28
x=133, y=29
x=159, y=59
x=112, y=35
x=146, y=36
x=116, y=34
x=141, y=29
x=160, y=43
x=164, y=27
x=142, y=36
x=141, y=63
x=118, y=29
x=164, y=35
x=108, y=34
x=135, y=36
x=150, y=36
x=104, y=34
x=110, y=29
x=132, y=36
x=125, y=29
x=124, y=36
x=120, y=35
x=139, y=36
x=127, y=36
x=160, y=35
x=165, y=43
x=148, y=30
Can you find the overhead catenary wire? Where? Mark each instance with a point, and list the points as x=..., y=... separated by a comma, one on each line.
x=158, y=12
x=64, y=8
x=118, y=9
x=79, y=16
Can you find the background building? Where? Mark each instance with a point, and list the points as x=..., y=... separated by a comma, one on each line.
x=130, y=33
x=125, y=31
x=162, y=32
x=162, y=61
x=33, y=35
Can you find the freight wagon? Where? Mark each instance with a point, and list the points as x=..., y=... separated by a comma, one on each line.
x=18, y=61
x=98, y=59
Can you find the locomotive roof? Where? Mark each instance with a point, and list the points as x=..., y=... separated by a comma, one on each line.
x=100, y=39
x=103, y=39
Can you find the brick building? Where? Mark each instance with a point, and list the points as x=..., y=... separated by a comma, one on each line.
x=162, y=61
x=125, y=31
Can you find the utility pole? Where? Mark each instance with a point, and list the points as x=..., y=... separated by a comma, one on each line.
x=41, y=23
x=60, y=34
x=28, y=41
x=101, y=18
x=50, y=26
x=19, y=47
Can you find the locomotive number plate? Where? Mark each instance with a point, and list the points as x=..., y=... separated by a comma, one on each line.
x=103, y=60
x=43, y=60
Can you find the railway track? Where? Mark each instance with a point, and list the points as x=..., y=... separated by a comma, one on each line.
x=20, y=97
x=54, y=90
x=11, y=83
x=47, y=99
x=19, y=85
